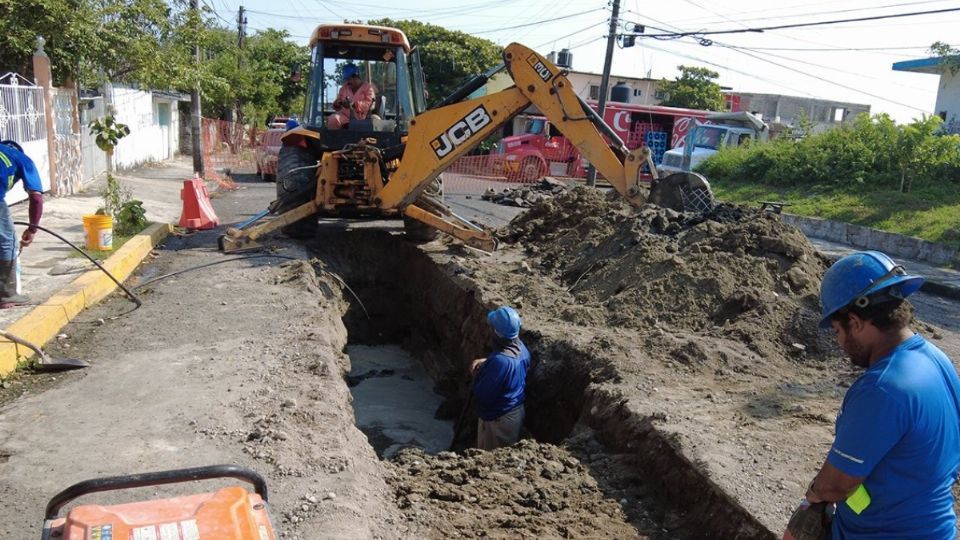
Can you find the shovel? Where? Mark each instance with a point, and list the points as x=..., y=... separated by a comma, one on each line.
x=47, y=363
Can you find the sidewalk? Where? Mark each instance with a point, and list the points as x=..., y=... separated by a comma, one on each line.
x=47, y=265
x=940, y=281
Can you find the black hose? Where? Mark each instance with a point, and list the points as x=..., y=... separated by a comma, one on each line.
x=221, y=261
x=132, y=296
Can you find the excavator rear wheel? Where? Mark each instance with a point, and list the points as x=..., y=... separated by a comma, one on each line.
x=295, y=186
x=683, y=192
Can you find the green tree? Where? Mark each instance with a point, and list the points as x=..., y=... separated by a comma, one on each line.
x=94, y=40
x=949, y=57
x=693, y=89
x=449, y=57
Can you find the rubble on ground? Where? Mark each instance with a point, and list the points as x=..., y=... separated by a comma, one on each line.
x=526, y=196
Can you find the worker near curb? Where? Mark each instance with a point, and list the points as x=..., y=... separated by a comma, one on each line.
x=15, y=166
x=896, y=452
x=354, y=99
x=499, y=382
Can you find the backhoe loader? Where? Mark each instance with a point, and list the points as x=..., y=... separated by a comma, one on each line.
x=389, y=163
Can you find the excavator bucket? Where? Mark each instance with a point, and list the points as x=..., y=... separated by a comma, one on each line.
x=683, y=192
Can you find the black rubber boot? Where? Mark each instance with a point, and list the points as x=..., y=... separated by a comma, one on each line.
x=8, y=285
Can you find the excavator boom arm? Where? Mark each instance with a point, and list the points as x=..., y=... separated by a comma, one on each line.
x=439, y=136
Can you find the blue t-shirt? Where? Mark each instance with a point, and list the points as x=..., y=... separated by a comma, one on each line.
x=500, y=383
x=15, y=165
x=899, y=428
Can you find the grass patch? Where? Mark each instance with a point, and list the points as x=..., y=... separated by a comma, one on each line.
x=931, y=212
x=118, y=242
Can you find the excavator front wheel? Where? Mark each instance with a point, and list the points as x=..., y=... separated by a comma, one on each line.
x=296, y=185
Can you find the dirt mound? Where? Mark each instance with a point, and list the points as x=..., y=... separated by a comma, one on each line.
x=530, y=490
x=733, y=273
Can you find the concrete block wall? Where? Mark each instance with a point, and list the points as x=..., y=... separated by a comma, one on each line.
x=895, y=245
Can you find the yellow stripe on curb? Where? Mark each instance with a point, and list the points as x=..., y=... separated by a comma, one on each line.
x=43, y=322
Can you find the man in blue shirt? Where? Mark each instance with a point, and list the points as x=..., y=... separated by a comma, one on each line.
x=896, y=452
x=15, y=166
x=499, y=382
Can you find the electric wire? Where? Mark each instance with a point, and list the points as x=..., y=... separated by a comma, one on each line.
x=676, y=35
x=797, y=15
x=524, y=25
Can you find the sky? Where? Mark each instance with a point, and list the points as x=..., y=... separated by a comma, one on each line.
x=848, y=62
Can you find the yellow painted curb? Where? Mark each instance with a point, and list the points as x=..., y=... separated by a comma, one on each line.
x=43, y=322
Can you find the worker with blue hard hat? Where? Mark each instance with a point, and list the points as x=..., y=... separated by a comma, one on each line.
x=896, y=453
x=499, y=382
x=15, y=166
x=354, y=99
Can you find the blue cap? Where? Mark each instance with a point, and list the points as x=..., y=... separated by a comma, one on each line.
x=855, y=277
x=505, y=322
x=349, y=70
x=291, y=123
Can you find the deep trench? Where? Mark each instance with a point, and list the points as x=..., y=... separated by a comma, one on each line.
x=411, y=301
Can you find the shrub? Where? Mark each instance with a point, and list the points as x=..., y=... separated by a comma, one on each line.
x=869, y=151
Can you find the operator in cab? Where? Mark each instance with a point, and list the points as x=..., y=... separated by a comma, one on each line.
x=354, y=100
x=896, y=452
x=499, y=382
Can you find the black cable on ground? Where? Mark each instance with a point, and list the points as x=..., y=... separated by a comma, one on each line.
x=221, y=261
x=132, y=296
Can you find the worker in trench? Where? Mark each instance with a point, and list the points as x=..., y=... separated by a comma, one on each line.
x=16, y=166
x=499, y=382
x=896, y=452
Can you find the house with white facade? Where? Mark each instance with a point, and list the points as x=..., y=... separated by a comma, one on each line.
x=947, y=105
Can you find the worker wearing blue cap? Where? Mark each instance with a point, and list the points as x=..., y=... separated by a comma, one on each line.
x=499, y=382
x=896, y=452
x=354, y=100
x=14, y=167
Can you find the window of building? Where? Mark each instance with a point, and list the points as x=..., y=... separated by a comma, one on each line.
x=637, y=92
x=838, y=114
x=660, y=94
x=594, y=91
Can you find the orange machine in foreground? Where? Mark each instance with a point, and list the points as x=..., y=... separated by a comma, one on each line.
x=231, y=513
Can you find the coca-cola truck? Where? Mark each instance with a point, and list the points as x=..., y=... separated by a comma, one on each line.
x=540, y=149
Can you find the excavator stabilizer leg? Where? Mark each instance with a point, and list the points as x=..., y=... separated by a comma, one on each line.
x=237, y=239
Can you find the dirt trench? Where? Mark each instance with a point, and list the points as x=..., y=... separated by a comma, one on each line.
x=592, y=466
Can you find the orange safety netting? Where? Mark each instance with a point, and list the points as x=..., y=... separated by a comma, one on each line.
x=228, y=148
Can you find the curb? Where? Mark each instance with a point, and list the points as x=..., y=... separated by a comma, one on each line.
x=43, y=322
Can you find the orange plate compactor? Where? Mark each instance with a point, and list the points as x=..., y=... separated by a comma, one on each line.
x=232, y=513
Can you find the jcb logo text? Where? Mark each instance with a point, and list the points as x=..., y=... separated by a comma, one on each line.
x=460, y=132
x=542, y=70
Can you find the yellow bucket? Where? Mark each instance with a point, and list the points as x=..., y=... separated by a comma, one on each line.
x=99, y=232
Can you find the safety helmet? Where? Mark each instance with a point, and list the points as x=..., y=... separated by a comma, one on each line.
x=853, y=279
x=505, y=322
x=349, y=70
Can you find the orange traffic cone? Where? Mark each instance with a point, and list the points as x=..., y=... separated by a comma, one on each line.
x=197, y=211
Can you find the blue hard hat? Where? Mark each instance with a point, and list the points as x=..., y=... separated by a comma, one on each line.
x=291, y=123
x=853, y=278
x=505, y=322
x=349, y=70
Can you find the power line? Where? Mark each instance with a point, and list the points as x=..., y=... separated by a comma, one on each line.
x=571, y=34
x=537, y=22
x=798, y=25
x=841, y=49
x=795, y=15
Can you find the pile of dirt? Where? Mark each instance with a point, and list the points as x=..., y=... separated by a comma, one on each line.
x=732, y=273
x=530, y=490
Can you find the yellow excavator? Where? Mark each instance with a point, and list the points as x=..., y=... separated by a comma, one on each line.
x=388, y=162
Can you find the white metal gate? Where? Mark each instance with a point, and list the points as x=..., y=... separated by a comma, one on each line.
x=22, y=120
x=69, y=165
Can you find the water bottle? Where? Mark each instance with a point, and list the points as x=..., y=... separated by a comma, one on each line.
x=19, y=284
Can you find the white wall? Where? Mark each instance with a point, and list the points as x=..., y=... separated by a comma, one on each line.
x=948, y=99
x=148, y=140
x=582, y=81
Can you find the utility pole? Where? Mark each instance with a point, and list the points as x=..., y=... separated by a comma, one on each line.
x=241, y=42
x=605, y=80
x=195, y=117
